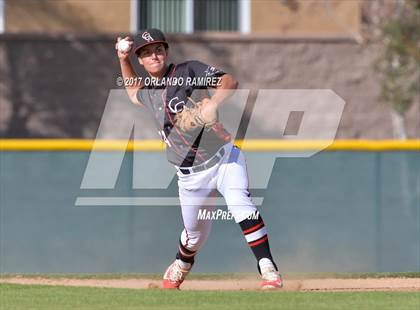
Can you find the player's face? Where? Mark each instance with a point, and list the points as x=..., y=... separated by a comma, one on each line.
x=153, y=58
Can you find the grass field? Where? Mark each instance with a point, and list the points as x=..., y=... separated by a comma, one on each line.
x=54, y=297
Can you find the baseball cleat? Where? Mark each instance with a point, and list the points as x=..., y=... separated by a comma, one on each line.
x=174, y=276
x=271, y=279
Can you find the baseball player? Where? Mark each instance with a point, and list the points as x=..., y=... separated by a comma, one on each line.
x=198, y=146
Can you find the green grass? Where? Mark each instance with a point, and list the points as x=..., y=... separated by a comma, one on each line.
x=217, y=276
x=55, y=297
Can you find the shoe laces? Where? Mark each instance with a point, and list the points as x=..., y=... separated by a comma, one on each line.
x=175, y=274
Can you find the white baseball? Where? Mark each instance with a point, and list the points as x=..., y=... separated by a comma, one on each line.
x=123, y=46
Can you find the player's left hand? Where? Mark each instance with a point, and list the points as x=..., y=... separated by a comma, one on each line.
x=201, y=114
x=208, y=111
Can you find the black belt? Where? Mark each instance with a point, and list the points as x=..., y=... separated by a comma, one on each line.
x=214, y=160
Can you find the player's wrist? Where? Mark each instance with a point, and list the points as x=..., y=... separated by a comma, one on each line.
x=124, y=59
x=214, y=102
x=209, y=111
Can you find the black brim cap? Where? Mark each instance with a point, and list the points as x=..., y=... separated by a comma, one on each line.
x=150, y=36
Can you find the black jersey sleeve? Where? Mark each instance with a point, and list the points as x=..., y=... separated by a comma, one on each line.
x=202, y=70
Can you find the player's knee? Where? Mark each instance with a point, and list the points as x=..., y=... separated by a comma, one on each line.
x=240, y=205
x=195, y=240
x=237, y=198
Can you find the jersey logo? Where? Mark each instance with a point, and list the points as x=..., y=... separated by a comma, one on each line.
x=175, y=105
x=211, y=71
x=147, y=36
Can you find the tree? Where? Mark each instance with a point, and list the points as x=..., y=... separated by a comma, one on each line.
x=399, y=62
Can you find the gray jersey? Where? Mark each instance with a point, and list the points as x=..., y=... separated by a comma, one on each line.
x=165, y=99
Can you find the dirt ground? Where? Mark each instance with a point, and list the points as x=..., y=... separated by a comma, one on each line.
x=381, y=284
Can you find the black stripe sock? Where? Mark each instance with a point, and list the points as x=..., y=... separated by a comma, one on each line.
x=181, y=256
x=260, y=247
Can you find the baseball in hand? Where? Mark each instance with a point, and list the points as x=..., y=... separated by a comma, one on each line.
x=123, y=46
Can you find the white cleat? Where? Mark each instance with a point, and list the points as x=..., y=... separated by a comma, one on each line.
x=271, y=279
x=174, y=276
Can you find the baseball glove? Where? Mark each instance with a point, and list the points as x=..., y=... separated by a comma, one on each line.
x=201, y=114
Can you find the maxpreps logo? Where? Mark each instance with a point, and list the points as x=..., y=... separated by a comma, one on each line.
x=220, y=214
x=319, y=112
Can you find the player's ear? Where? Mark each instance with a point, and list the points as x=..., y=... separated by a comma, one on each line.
x=140, y=60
